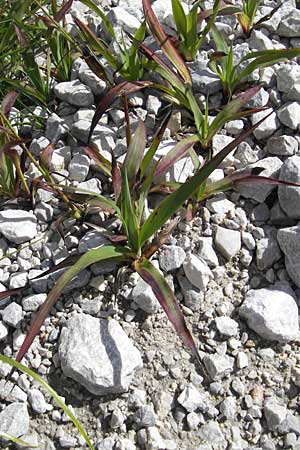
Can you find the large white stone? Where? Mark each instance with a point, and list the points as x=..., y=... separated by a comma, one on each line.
x=98, y=354
x=289, y=241
x=18, y=226
x=75, y=93
x=272, y=313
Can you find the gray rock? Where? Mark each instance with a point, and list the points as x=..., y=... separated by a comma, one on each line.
x=37, y=401
x=56, y=128
x=211, y=432
x=220, y=141
x=258, y=100
x=193, y=297
x=218, y=366
x=288, y=239
x=79, y=167
x=227, y=242
x=259, y=41
x=289, y=26
x=226, y=326
x=180, y=171
x=207, y=252
x=197, y=271
x=272, y=313
x=154, y=439
x=98, y=354
x=33, y=302
x=144, y=297
x=18, y=226
x=245, y=155
x=125, y=444
x=145, y=417
x=228, y=408
x=234, y=126
x=260, y=192
x=43, y=211
x=289, y=197
x=267, y=127
x=219, y=204
x=90, y=79
x=107, y=443
x=274, y=414
x=192, y=399
x=3, y=331
x=241, y=360
x=18, y=279
x=287, y=76
x=92, y=239
x=267, y=252
x=12, y=315
x=291, y=424
x=120, y=16
x=282, y=145
x=14, y=419
x=171, y=258
x=75, y=93
x=117, y=418
x=248, y=240
x=205, y=81
x=289, y=115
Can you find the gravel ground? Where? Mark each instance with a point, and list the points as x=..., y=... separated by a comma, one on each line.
x=107, y=347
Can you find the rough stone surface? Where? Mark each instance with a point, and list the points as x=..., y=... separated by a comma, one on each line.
x=274, y=414
x=260, y=192
x=37, y=401
x=75, y=93
x=171, y=258
x=18, y=226
x=267, y=127
x=192, y=399
x=290, y=25
x=144, y=297
x=289, y=241
x=98, y=354
x=289, y=197
x=282, y=145
x=197, y=271
x=218, y=366
x=33, y=302
x=12, y=315
x=226, y=326
x=228, y=242
x=14, y=419
x=272, y=313
x=289, y=115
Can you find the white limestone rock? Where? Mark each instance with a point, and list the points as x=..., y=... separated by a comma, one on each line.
x=18, y=226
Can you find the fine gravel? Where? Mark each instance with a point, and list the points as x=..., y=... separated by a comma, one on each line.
x=107, y=347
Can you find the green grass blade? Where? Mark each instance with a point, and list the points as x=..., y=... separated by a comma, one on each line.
x=101, y=14
x=208, y=26
x=264, y=58
x=229, y=111
x=57, y=398
x=129, y=214
x=16, y=440
x=179, y=18
x=135, y=152
x=167, y=300
x=90, y=257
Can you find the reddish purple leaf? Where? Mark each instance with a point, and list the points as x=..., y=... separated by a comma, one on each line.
x=46, y=156
x=60, y=14
x=124, y=88
x=8, y=102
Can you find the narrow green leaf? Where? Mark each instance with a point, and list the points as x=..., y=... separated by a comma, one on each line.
x=129, y=214
x=90, y=257
x=264, y=58
x=101, y=14
x=53, y=394
x=101, y=162
x=135, y=153
x=179, y=18
x=230, y=110
x=167, y=300
x=16, y=440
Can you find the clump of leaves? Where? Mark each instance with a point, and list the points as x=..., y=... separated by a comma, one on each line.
x=232, y=75
x=247, y=16
x=53, y=394
x=142, y=236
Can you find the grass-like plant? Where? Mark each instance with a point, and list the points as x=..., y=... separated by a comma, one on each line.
x=247, y=16
x=232, y=75
x=53, y=394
